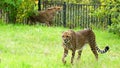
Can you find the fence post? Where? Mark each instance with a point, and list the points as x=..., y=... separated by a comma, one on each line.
x=0, y=13
x=109, y=17
x=39, y=5
x=109, y=20
x=64, y=14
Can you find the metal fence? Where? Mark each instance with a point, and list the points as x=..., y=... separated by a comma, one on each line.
x=76, y=15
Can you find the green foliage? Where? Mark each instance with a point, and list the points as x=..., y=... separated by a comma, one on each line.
x=17, y=10
x=112, y=11
x=25, y=9
x=10, y=7
x=115, y=28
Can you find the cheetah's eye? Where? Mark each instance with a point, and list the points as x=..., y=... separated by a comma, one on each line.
x=67, y=36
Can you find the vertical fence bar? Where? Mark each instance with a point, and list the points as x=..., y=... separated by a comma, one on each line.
x=93, y=16
x=79, y=18
x=64, y=14
x=109, y=20
x=69, y=13
x=83, y=11
x=86, y=14
x=73, y=14
x=81, y=15
x=0, y=13
x=39, y=5
x=78, y=15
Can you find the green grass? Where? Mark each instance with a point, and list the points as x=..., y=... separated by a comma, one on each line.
x=23, y=46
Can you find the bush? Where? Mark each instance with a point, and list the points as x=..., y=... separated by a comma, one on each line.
x=115, y=13
x=25, y=10
x=10, y=8
x=115, y=29
x=17, y=10
x=112, y=10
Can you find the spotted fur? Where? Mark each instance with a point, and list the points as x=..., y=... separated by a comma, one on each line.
x=76, y=41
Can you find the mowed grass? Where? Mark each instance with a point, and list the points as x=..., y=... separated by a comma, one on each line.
x=23, y=46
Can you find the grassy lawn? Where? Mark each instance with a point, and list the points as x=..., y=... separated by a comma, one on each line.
x=23, y=46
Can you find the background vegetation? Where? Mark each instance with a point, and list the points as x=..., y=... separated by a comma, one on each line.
x=20, y=10
x=113, y=11
x=17, y=10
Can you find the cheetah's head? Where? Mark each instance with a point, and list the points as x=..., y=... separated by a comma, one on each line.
x=66, y=36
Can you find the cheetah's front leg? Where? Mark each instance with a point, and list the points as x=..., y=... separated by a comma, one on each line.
x=79, y=54
x=73, y=54
x=64, y=55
